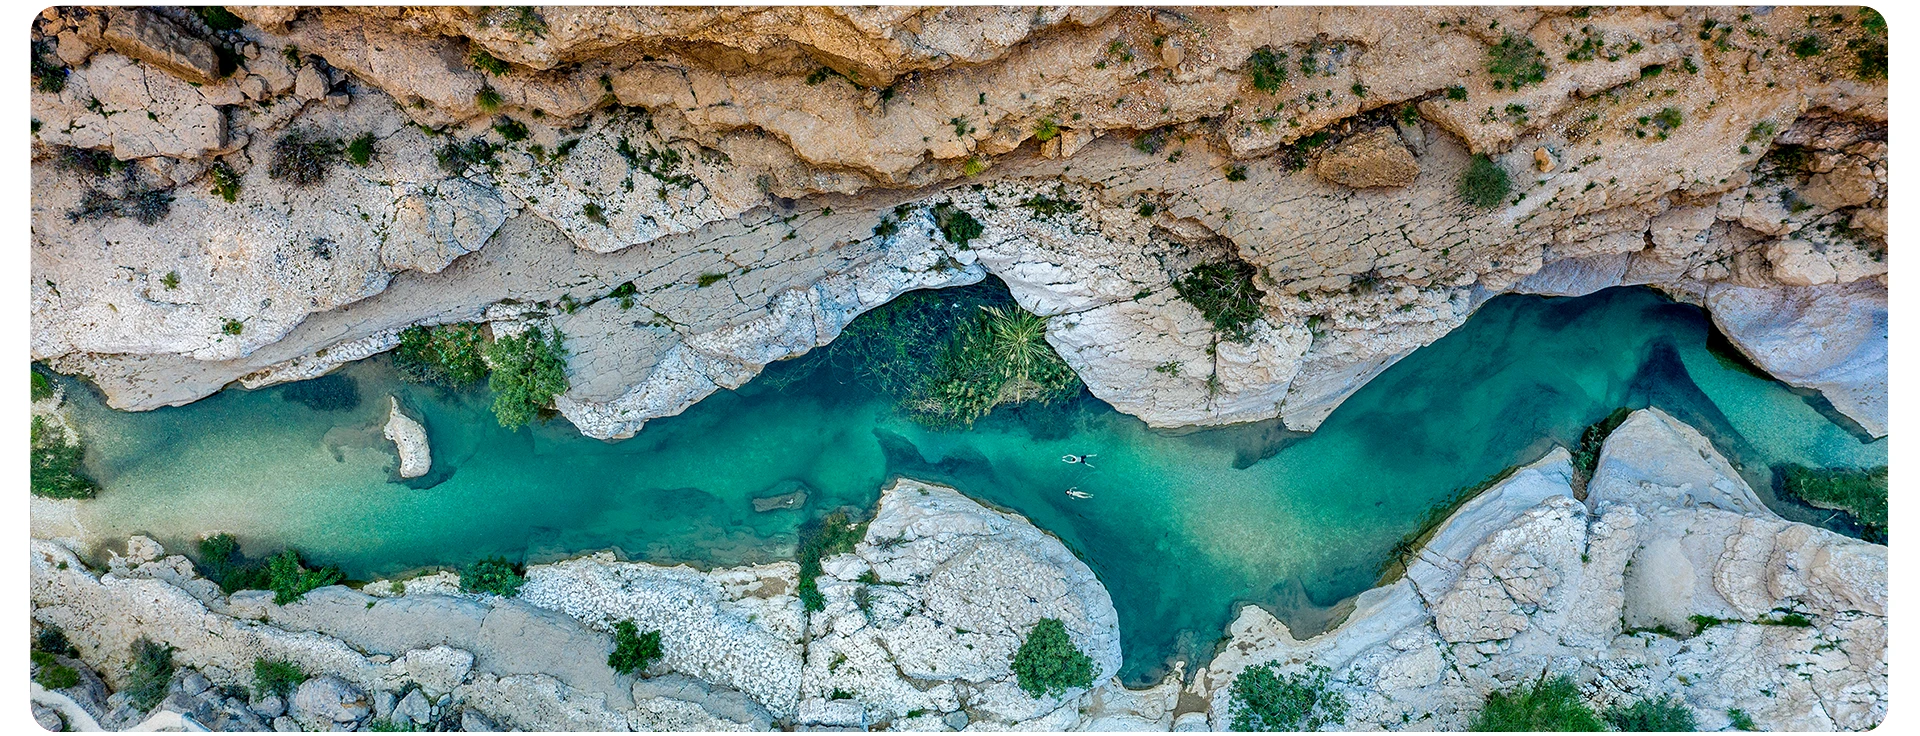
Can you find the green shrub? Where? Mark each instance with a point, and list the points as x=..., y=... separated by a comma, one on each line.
x=171, y=280
x=48, y=76
x=276, y=677
x=226, y=185
x=1224, y=293
x=302, y=159
x=1648, y=714
x=232, y=327
x=709, y=279
x=456, y=158
x=1267, y=70
x=219, y=19
x=527, y=23
x=290, y=580
x=594, y=213
x=510, y=129
x=834, y=535
x=1265, y=700
x=148, y=673
x=53, y=640
x=55, y=464
x=959, y=227
x=492, y=575
x=1047, y=206
x=487, y=99
x=1457, y=93
x=483, y=61
x=1862, y=494
x=1807, y=47
x=529, y=369
x=1668, y=118
x=361, y=150
x=389, y=725
x=1516, y=62
x=632, y=650
x=51, y=674
x=42, y=388
x=1484, y=184
x=1048, y=663
x=1045, y=130
x=1546, y=705
x=446, y=355
x=1586, y=457
x=1740, y=720
x=221, y=562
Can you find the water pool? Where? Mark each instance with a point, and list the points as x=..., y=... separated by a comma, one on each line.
x=1182, y=526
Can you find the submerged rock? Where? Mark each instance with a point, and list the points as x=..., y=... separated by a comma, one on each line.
x=410, y=439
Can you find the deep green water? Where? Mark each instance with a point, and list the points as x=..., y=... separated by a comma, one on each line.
x=1182, y=526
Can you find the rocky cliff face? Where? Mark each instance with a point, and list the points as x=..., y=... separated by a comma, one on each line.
x=265, y=203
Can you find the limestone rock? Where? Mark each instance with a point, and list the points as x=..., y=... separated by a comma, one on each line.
x=1832, y=338
x=1652, y=459
x=323, y=701
x=410, y=439
x=1374, y=159
x=155, y=39
x=438, y=670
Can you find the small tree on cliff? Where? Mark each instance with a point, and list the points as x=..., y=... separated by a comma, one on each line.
x=1048, y=663
x=529, y=369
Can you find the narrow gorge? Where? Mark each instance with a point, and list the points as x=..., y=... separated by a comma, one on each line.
x=830, y=367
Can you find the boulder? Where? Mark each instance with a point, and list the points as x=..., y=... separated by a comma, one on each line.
x=1376, y=158
x=438, y=670
x=410, y=440
x=413, y=708
x=322, y=702
x=153, y=38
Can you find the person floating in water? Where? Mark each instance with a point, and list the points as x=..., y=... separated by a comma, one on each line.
x=1077, y=493
x=1080, y=459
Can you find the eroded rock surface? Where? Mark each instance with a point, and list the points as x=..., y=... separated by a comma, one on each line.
x=410, y=440
x=1662, y=582
x=762, y=175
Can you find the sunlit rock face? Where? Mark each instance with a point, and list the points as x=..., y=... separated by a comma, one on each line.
x=762, y=175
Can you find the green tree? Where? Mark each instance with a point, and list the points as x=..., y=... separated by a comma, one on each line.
x=836, y=534
x=632, y=650
x=1265, y=700
x=492, y=575
x=1048, y=663
x=1549, y=704
x=529, y=369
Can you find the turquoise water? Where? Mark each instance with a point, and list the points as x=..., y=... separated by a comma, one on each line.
x=1181, y=526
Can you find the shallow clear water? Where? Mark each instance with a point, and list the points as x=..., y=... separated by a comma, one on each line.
x=1182, y=526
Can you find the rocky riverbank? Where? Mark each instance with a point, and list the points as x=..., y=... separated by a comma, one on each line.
x=1668, y=578
x=751, y=179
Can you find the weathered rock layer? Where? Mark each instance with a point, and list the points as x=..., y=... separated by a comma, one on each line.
x=760, y=176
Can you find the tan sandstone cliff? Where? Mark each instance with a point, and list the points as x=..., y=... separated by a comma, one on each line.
x=738, y=166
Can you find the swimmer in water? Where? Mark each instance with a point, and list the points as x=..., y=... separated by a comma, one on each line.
x=1071, y=459
x=1087, y=460
x=1077, y=493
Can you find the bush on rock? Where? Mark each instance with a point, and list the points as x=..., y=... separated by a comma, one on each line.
x=632, y=650
x=290, y=580
x=1224, y=293
x=1485, y=184
x=1546, y=705
x=492, y=575
x=148, y=673
x=1048, y=663
x=1666, y=714
x=276, y=677
x=1265, y=700
x=446, y=355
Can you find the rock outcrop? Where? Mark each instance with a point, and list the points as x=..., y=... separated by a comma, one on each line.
x=760, y=176
x=1831, y=338
x=1669, y=579
x=410, y=440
